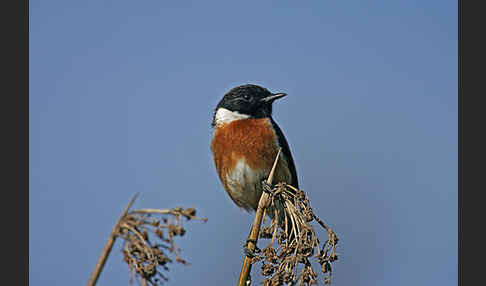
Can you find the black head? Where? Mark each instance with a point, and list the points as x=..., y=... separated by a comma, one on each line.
x=251, y=100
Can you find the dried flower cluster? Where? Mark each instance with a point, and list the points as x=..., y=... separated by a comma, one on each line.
x=148, y=236
x=296, y=241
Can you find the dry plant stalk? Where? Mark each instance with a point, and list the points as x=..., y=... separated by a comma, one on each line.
x=108, y=246
x=293, y=240
x=255, y=229
x=148, y=241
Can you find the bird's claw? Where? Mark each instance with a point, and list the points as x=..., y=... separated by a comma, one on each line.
x=247, y=251
x=266, y=187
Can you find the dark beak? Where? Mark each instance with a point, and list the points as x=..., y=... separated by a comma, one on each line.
x=273, y=97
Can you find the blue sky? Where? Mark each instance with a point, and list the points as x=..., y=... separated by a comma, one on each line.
x=121, y=99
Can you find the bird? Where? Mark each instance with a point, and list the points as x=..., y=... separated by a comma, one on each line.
x=245, y=143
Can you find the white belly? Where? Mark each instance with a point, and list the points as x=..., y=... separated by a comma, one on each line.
x=245, y=183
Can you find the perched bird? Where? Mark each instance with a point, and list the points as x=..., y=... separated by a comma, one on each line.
x=245, y=143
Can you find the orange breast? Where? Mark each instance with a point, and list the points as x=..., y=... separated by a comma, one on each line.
x=253, y=139
x=256, y=142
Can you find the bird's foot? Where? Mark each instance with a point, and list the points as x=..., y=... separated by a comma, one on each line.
x=247, y=251
x=266, y=187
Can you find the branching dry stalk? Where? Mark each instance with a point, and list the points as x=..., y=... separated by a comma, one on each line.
x=293, y=240
x=148, y=242
x=108, y=246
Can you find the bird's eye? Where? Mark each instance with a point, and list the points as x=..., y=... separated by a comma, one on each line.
x=246, y=97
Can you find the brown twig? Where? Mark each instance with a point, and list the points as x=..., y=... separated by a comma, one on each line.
x=262, y=204
x=109, y=245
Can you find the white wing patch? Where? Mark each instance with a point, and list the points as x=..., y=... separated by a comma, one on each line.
x=224, y=115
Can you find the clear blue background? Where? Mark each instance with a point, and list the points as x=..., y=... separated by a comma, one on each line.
x=121, y=98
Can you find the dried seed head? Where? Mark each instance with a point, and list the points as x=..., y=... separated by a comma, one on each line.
x=270, y=254
x=189, y=213
x=297, y=241
x=325, y=267
x=267, y=269
x=144, y=257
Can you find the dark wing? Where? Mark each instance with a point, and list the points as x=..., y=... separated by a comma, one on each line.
x=286, y=151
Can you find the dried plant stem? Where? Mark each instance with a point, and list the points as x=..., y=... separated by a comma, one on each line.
x=262, y=204
x=179, y=212
x=152, y=211
x=108, y=246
